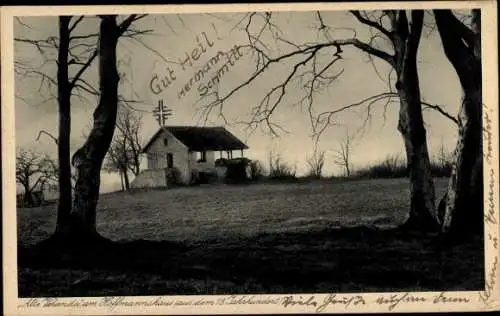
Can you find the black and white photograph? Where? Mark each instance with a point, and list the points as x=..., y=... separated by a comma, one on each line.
x=313, y=158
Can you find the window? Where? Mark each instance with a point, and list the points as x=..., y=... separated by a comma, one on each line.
x=165, y=141
x=202, y=156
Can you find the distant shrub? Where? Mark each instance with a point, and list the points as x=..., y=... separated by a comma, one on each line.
x=257, y=170
x=396, y=167
x=442, y=163
x=280, y=170
x=315, y=164
x=393, y=166
x=441, y=170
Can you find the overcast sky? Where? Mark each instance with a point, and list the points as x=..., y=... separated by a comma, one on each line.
x=161, y=52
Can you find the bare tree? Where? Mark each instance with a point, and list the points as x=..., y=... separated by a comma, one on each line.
x=77, y=51
x=403, y=32
x=33, y=171
x=462, y=46
x=342, y=156
x=82, y=52
x=114, y=163
x=89, y=158
x=119, y=159
x=125, y=149
x=128, y=126
x=55, y=167
x=316, y=163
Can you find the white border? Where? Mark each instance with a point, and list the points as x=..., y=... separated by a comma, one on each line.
x=490, y=97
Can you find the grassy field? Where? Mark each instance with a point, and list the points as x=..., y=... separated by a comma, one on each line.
x=296, y=237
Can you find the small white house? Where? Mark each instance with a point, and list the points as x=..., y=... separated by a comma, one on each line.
x=188, y=149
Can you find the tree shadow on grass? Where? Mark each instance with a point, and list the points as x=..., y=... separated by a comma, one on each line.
x=334, y=260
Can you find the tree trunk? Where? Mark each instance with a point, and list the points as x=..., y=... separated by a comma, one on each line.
x=126, y=180
x=423, y=215
x=464, y=199
x=63, y=143
x=89, y=158
x=121, y=180
x=28, y=196
x=137, y=168
x=136, y=165
x=422, y=193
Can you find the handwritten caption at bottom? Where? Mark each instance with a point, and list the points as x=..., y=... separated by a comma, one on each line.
x=314, y=303
x=389, y=301
x=112, y=303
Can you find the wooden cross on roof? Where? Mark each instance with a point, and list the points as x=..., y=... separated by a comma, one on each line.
x=161, y=112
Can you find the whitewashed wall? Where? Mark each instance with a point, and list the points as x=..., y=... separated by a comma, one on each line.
x=177, y=149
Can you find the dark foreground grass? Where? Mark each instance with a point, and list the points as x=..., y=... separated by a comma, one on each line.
x=337, y=260
x=263, y=238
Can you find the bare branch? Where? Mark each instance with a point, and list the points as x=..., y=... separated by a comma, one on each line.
x=128, y=21
x=123, y=27
x=48, y=134
x=316, y=48
x=132, y=33
x=86, y=86
x=154, y=51
x=83, y=37
x=84, y=67
x=18, y=20
x=368, y=49
x=442, y=112
x=371, y=23
x=322, y=24
x=41, y=74
x=86, y=89
x=41, y=45
x=88, y=47
x=306, y=53
x=324, y=119
x=78, y=20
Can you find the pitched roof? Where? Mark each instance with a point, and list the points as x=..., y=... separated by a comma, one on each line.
x=198, y=138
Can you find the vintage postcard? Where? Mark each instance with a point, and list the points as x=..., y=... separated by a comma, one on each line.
x=268, y=158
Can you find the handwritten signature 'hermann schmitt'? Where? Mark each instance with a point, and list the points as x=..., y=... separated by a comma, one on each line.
x=218, y=65
x=230, y=57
